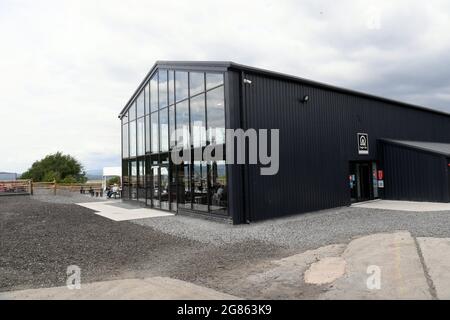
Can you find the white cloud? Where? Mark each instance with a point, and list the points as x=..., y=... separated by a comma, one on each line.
x=68, y=67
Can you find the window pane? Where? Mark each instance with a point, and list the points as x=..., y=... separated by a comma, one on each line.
x=140, y=106
x=141, y=180
x=182, y=121
x=171, y=87
x=140, y=137
x=132, y=112
x=164, y=188
x=181, y=85
x=184, y=185
x=132, y=138
x=154, y=92
x=164, y=130
x=197, y=82
x=216, y=116
x=155, y=189
x=200, y=185
x=172, y=126
x=164, y=158
x=147, y=132
x=147, y=98
x=155, y=132
x=162, y=88
x=198, y=119
x=148, y=180
x=125, y=141
x=213, y=80
x=125, y=180
x=218, y=192
x=173, y=186
x=133, y=180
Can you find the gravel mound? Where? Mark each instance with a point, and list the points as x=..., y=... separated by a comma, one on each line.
x=307, y=231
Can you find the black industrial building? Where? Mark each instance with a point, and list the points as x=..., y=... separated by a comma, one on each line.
x=337, y=146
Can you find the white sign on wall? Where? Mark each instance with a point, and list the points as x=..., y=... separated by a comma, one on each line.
x=363, y=143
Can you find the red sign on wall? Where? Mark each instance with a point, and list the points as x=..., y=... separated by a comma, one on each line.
x=380, y=175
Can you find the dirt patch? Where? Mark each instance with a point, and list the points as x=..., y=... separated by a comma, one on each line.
x=325, y=271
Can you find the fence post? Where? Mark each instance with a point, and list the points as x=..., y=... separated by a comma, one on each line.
x=54, y=187
x=31, y=186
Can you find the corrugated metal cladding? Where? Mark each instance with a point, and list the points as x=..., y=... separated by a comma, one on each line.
x=317, y=141
x=235, y=172
x=413, y=174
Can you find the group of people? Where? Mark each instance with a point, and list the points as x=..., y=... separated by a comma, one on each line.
x=219, y=194
x=112, y=191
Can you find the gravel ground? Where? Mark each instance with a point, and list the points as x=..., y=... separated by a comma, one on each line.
x=63, y=196
x=42, y=235
x=307, y=231
x=39, y=240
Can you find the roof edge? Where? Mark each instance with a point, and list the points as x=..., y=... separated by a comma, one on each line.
x=211, y=65
x=334, y=88
x=226, y=65
x=404, y=144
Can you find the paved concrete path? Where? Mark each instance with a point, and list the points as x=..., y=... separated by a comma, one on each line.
x=150, y=288
x=436, y=256
x=413, y=206
x=113, y=211
x=378, y=266
x=381, y=266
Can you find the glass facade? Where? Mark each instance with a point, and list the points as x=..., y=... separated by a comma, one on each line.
x=140, y=105
x=140, y=136
x=193, y=104
x=163, y=130
x=154, y=132
x=162, y=87
x=216, y=120
x=198, y=121
x=154, y=92
x=125, y=150
x=132, y=135
x=181, y=85
x=182, y=124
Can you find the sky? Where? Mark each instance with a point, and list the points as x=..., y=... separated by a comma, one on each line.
x=68, y=67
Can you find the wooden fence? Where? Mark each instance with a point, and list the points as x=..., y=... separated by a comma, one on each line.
x=15, y=187
x=28, y=187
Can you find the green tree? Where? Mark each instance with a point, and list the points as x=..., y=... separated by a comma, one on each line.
x=59, y=167
x=69, y=179
x=50, y=176
x=113, y=180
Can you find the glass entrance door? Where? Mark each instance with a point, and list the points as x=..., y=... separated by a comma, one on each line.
x=364, y=181
x=173, y=187
x=164, y=187
x=361, y=181
x=184, y=185
x=155, y=186
x=200, y=186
